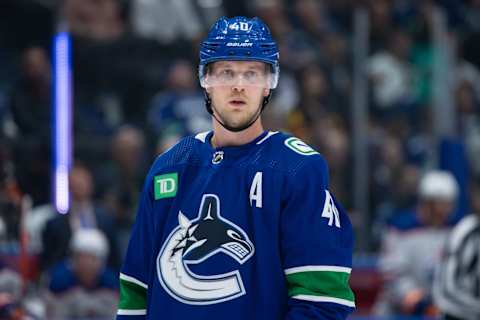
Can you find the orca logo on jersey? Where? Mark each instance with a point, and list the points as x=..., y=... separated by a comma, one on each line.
x=193, y=242
x=299, y=146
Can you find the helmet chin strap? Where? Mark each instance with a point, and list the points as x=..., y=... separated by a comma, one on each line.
x=211, y=109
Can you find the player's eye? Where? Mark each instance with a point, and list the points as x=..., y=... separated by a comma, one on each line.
x=251, y=75
x=226, y=74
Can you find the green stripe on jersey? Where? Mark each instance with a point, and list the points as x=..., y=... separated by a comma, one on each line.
x=132, y=296
x=320, y=283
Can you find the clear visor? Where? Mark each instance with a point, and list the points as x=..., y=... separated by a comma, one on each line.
x=229, y=76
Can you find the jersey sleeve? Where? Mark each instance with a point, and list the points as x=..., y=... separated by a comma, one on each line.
x=136, y=266
x=316, y=244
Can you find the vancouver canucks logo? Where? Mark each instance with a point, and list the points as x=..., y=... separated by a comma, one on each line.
x=192, y=242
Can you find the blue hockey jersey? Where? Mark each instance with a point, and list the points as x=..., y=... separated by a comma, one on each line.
x=244, y=232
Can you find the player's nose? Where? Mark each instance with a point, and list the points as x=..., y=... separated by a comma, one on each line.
x=238, y=86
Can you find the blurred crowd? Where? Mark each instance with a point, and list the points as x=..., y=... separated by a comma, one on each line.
x=136, y=93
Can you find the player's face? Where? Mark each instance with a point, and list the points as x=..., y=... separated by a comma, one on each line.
x=239, y=89
x=439, y=210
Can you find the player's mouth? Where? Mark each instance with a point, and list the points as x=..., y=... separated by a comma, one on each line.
x=237, y=102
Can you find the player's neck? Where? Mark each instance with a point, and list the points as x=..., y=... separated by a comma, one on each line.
x=223, y=137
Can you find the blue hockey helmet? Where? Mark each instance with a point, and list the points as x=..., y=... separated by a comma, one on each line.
x=243, y=39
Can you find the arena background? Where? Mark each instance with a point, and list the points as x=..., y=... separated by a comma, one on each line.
x=386, y=90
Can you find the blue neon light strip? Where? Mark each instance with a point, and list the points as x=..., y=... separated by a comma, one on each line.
x=62, y=137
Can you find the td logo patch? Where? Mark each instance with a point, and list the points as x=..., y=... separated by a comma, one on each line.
x=165, y=185
x=299, y=146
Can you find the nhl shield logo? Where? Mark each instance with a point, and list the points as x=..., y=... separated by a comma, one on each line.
x=194, y=241
x=217, y=157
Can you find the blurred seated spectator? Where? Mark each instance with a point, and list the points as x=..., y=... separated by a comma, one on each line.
x=10, y=204
x=15, y=303
x=121, y=179
x=392, y=77
x=286, y=97
x=297, y=48
x=18, y=298
x=35, y=221
x=167, y=21
x=30, y=108
x=331, y=137
x=381, y=23
x=10, y=283
x=94, y=19
x=313, y=17
x=179, y=108
x=471, y=15
x=315, y=94
x=11, y=309
x=394, y=179
x=30, y=101
x=412, y=248
x=468, y=121
x=338, y=71
x=84, y=213
x=81, y=286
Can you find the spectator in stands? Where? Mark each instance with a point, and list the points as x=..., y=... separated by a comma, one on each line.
x=336, y=59
x=9, y=199
x=412, y=248
x=10, y=280
x=121, y=179
x=82, y=287
x=30, y=107
x=315, y=97
x=30, y=104
x=166, y=20
x=84, y=213
x=391, y=74
x=468, y=121
x=333, y=142
x=471, y=12
x=381, y=23
x=14, y=302
x=173, y=111
x=273, y=13
x=94, y=19
x=313, y=17
x=393, y=179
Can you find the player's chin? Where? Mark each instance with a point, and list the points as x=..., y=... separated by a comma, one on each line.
x=238, y=123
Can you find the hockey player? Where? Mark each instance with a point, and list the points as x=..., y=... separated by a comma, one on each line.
x=412, y=248
x=238, y=223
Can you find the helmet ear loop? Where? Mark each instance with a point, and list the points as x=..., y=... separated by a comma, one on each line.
x=208, y=102
x=266, y=100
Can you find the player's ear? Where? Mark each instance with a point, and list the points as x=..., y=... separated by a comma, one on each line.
x=266, y=92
